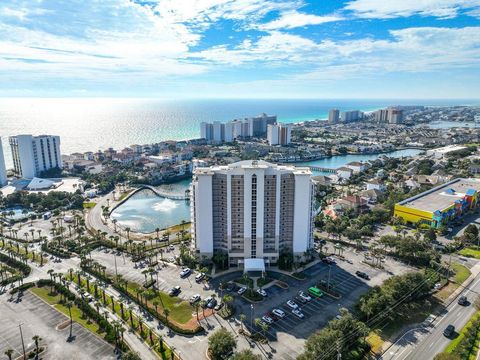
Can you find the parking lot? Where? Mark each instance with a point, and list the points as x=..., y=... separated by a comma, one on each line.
x=288, y=334
x=38, y=318
x=168, y=274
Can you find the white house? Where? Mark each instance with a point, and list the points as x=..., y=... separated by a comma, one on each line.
x=356, y=166
x=344, y=172
x=375, y=184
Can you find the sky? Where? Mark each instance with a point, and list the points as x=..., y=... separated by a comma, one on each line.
x=240, y=48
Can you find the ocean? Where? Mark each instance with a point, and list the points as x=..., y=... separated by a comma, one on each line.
x=96, y=124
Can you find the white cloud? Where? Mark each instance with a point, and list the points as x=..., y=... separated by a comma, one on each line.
x=295, y=19
x=410, y=50
x=385, y=9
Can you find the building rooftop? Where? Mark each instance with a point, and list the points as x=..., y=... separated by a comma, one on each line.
x=441, y=197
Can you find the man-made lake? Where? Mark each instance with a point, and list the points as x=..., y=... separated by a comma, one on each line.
x=340, y=160
x=145, y=211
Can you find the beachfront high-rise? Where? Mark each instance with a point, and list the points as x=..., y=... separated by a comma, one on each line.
x=3, y=169
x=34, y=154
x=252, y=209
x=333, y=116
x=218, y=132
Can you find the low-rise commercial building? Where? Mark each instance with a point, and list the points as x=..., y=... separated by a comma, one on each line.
x=440, y=205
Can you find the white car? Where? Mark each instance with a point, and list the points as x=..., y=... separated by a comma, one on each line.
x=185, y=272
x=262, y=292
x=304, y=296
x=241, y=290
x=298, y=313
x=279, y=313
x=292, y=304
x=171, y=247
x=194, y=298
x=267, y=319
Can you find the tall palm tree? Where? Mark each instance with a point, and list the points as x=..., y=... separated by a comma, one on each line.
x=69, y=307
x=37, y=340
x=9, y=353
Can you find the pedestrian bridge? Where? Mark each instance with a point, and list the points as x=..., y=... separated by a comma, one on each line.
x=323, y=169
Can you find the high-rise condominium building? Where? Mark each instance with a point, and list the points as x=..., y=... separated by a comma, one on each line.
x=252, y=209
x=351, y=115
x=3, y=169
x=279, y=134
x=395, y=116
x=333, y=116
x=34, y=154
x=218, y=132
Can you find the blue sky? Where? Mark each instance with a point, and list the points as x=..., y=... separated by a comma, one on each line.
x=241, y=48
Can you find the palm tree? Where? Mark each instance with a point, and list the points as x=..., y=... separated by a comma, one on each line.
x=68, y=305
x=9, y=353
x=36, y=339
x=127, y=229
x=166, y=312
x=242, y=318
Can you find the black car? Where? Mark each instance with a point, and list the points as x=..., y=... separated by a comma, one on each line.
x=211, y=303
x=174, y=291
x=363, y=275
x=449, y=331
x=462, y=300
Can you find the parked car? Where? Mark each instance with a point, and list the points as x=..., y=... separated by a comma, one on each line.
x=449, y=331
x=304, y=296
x=231, y=287
x=174, y=291
x=211, y=303
x=300, y=300
x=199, y=277
x=185, y=272
x=218, y=306
x=241, y=290
x=171, y=247
x=272, y=316
x=194, y=298
x=267, y=319
x=292, y=304
x=462, y=300
x=262, y=292
x=298, y=313
x=279, y=313
x=362, y=275
x=329, y=260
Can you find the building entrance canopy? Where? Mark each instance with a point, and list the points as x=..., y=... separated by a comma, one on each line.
x=254, y=265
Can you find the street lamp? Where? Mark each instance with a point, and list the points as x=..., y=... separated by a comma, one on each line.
x=251, y=315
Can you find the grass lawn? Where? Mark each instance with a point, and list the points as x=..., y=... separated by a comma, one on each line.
x=264, y=281
x=44, y=293
x=376, y=341
x=89, y=205
x=124, y=195
x=461, y=274
x=416, y=314
x=470, y=252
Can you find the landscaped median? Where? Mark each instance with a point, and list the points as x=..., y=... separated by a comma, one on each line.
x=170, y=310
x=62, y=299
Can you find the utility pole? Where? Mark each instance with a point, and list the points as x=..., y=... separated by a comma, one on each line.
x=23, y=344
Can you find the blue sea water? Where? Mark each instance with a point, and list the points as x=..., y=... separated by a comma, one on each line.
x=91, y=124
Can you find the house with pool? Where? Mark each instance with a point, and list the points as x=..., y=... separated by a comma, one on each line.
x=440, y=205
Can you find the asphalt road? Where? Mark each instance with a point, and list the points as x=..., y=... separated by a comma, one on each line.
x=424, y=343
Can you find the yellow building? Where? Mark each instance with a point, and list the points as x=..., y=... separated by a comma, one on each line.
x=440, y=205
